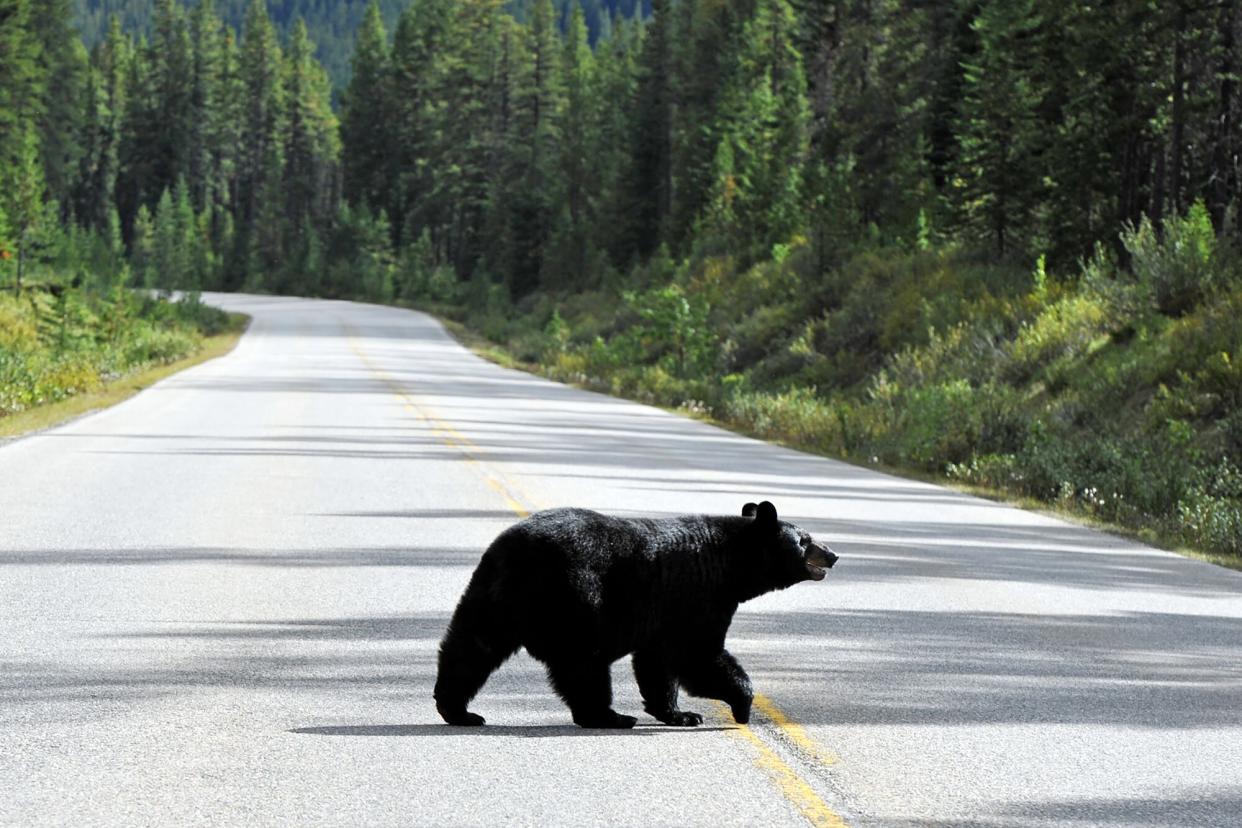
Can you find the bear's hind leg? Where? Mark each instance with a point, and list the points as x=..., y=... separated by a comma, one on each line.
x=659, y=690
x=473, y=648
x=720, y=677
x=586, y=686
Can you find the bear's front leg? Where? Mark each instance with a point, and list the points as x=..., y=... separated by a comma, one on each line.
x=720, y=677
x=659, y=690
x=587, y=688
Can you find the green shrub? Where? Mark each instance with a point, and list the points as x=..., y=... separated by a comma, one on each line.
x=675, y=329
x=158, y=345
x=1180, y=268
x=1067, y=330
x=1211, y=514
x=797, y=416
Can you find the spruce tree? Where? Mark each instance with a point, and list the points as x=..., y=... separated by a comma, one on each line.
x=102, y=127
x=170, y=63
x=260, y=162
x=21, y=194
x=999, y=132
x=21, y=84
x=538, y=100
x=649, y=190
x=204, y=174
x=365, y=120
x=765, y=116
x=468, y=137
x=578, y=159
x=417, y=43
x=311, y=145
x=616, y=85
x=61, y=65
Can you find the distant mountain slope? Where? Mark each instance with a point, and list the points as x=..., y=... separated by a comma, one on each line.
x=332, y=23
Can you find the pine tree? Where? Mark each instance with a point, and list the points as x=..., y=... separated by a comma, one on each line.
x=310, y=136
x=21, y=194
x=578, y=155
x=171, y=66
x=260, y=161
x=21, y=85
x=467, y=132
x=136, y=184
x=765, y=116
x=538, y=100
x=417, y=42
x=102, y=128
x=365, y=120
x=649, y=190
x=166, y=245
x=61, y=65
x=311, y=148
x=616, y=85
x=204, y=174
x=708, y=35
x=1000, y=134
x=142, y=251
x=229, y=124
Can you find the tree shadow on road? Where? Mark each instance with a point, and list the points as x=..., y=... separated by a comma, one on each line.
x=1160, y=670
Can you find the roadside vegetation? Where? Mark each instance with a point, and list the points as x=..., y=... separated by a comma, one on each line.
x=1113, y=393
x=74, y=327
x=59, y=343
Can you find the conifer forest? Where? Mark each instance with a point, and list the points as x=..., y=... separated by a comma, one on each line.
x=993, y=240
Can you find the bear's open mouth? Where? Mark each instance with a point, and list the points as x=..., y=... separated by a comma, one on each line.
x=818, y=561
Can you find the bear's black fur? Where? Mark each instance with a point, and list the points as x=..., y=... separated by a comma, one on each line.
x=579, y=590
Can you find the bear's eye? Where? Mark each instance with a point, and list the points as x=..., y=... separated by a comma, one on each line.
x=804, y=541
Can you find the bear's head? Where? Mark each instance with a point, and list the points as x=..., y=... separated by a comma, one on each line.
x=788, y=553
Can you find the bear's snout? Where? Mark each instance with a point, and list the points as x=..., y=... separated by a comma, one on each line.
x=818, y=559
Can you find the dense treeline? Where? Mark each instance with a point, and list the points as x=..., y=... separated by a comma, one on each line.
x=517, y=152
x=331, y=25
x=1027, y=128
x=213, y=159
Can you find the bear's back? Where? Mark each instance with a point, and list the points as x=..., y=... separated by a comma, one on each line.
x=630, y=574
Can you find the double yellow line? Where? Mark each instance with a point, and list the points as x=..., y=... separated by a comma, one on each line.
x=791, y=785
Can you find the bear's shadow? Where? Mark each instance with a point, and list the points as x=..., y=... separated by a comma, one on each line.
x=522, y=731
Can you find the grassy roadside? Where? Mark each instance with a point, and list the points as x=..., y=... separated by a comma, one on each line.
x=1151, y=535
x=50, y=415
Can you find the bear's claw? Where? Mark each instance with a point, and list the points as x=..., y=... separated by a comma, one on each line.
x=684, y=718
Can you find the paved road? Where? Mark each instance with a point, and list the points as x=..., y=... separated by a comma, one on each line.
x=220, y=603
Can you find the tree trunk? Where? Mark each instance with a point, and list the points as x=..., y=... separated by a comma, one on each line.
x=1223, y=151
x=21, y=259
x=1178, y=135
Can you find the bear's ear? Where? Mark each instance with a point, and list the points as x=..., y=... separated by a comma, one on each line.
x=766, y=514
x=749, y=509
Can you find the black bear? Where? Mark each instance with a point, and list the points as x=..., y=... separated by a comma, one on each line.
x=579, y=590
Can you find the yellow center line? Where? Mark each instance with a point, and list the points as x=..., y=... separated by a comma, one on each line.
x=448, y=435
x=792, y=786
x=793, y=731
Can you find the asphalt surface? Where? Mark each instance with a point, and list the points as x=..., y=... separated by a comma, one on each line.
x=220, y=603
